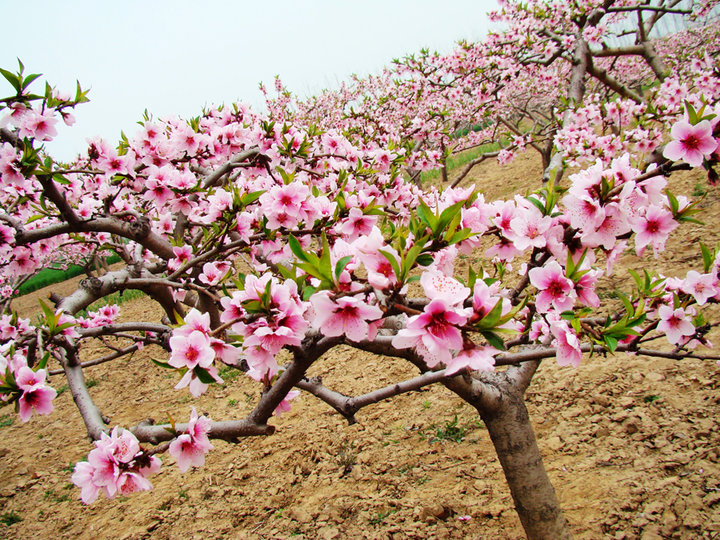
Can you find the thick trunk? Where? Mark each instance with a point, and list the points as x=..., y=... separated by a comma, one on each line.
x=515, y=444
x=499, y=398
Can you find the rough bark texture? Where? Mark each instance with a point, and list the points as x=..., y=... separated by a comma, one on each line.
x=514, y=440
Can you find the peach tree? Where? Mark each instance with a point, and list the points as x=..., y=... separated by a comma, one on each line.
x=270, y=241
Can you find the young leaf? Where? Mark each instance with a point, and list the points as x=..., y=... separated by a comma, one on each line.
x=708, y=257
x=296, y=248
x=203, y=375
x=341, y=264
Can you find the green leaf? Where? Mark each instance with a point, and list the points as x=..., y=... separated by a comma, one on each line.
x=308, y=292
x=629, y=308
x=692, y=114
x=341, y=264
x=611, y=343
x=638, y=280
x=493, y=316
x=49, y=313
x=203, y=375
x=12, y=79
x=494, y=340
x=161, y=364
x=296, y=248
x=472, y=278
x=425, y=259
x=449, y=215
x=43, y=361
x=325, y=260
x=250, y=198
x=29, y=79
x=392, y=260
x=426, y=216
x=412, y=256
x=540, y=206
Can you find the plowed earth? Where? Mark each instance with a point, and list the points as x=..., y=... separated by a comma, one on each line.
x=630, y=444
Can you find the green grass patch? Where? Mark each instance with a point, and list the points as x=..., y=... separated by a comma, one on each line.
x=50, y=276
x=456, y=162
x=114, y=298
x=8, y=518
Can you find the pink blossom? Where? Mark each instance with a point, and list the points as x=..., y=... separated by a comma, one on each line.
x=182, y=255
x=691, y=143
x=701, y=286
x=116, y=465
x=189, y=449
x=474, y=358
x=284, y=405
x=38, y=125
x=554, y=288
x=528, y=229
x=347, y=315
x=194, y=321
x=435, y=331
x=438, y=285
x=653, y=228
x=38, y=398
x=194, y=384
x=357, y=224
x=675, y=323
x=261, y=362
x=36, y=395
x=212, y=273
x=83, y=478
x=191, y=351
x=585, y=288
x=566, y=343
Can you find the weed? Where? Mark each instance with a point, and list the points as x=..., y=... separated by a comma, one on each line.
x=651, y=398
x=232, y=402
x=346, y=457
x=6, y=420
x=228, y=373
x=451, y=430
x=8, y=518
x=381, y=516
x=700, y=190
x=406, y=468
x=62, y=389
x=50, y=495
x=426, y=404
x=183, y=494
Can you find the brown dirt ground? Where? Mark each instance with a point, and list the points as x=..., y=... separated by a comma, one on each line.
x=630, y=444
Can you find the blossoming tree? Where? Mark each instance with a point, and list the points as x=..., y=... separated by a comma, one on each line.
x=520, y=88
x=268, y=243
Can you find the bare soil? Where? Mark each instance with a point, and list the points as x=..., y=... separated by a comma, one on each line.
x=630, y=444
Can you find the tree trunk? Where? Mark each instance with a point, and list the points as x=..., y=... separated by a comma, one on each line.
x=514, y=440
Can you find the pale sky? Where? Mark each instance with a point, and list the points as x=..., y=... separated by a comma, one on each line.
x=175, y=57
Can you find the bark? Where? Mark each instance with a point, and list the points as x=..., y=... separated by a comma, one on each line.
x=514, y=440
x=499, y=399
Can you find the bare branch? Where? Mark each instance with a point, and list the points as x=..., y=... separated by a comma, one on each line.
x=78, y=389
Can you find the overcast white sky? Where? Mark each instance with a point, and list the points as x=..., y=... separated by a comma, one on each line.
x=174, y=57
